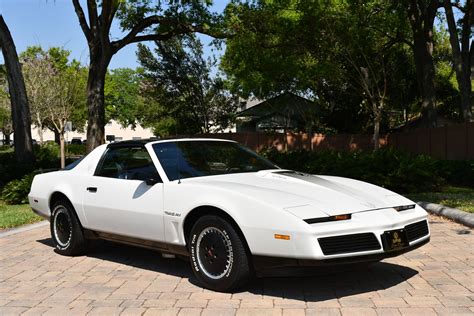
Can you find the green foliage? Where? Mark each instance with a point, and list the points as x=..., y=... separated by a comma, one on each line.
x=10, y=169
x=396, y=170
x=6, y=124
x=182, y=96
x=56, y=87
x=49, y=151
x=323, y=49
x=457, y=172
x=16, y=178
x=47, y=157
x=123, y=101
x=76, y=149
x=16, y=191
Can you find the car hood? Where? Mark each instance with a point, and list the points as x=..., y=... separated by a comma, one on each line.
x=307, y=195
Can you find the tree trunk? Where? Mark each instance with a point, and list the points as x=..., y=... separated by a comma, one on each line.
x=376, y=136
x=19, y=101
x=62, y=150
x=95, y=102
x=421, y=16
x=40, y=134
x=425, y=71
x=57, y=137
x=461, y=60
x=7, y=139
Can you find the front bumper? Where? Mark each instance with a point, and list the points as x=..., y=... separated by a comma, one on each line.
x=305, y=243
x=264, y=263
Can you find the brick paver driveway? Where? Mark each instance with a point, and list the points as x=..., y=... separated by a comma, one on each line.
x=114, y=279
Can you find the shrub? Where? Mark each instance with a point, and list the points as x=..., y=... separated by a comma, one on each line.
x=396, y=170
x=10, y=169
x=457, y=172
x=47, y=157
x=76, y=149
x=16, y=191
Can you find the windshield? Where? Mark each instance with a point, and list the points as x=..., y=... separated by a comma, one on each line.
x=189, y=159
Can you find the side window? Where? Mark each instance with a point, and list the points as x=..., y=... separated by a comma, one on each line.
x=131, y=163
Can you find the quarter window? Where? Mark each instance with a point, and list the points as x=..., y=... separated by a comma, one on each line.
x=131, y=163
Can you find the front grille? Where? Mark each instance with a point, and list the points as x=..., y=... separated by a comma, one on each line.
x=348, y=243
x=417, y=230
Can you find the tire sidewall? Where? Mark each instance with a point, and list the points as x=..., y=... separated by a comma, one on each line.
x=231, y=237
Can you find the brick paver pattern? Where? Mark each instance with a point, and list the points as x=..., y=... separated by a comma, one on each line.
x=113, y=279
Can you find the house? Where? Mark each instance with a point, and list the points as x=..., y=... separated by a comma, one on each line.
x=284, y=112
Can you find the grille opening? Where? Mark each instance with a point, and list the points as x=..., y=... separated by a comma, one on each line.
x=417, y=230
x=349, y=243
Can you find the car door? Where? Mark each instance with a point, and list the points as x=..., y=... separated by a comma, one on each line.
x=117, y=198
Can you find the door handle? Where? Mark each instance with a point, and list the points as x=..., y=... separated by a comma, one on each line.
x=92, y=189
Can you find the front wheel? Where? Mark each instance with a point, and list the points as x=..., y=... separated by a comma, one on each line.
x=66, y=230
x=218, y=256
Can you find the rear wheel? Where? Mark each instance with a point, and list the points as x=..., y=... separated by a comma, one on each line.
x=218, y=256
x=66, y=231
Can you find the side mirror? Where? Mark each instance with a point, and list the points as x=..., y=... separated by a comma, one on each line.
x=152, y=181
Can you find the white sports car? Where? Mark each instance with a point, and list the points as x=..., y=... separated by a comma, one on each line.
x=229, y=210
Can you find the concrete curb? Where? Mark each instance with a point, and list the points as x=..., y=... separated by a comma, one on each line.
x=24, y=228
x=454, y=214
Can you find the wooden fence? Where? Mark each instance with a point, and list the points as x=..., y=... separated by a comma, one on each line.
x=454, y=142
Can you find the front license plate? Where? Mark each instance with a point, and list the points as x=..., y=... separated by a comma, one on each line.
x=395, y=239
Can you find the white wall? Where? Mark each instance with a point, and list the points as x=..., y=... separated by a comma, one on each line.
x=113, y=128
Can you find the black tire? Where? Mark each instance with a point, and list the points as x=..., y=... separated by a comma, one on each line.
x=218, y=256
x=66, y=231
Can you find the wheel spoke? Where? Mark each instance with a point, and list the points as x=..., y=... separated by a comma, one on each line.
x=213, y=252
x=62, y=227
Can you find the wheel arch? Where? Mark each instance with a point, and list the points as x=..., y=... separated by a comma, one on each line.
x=57, y=196
x=202, y=210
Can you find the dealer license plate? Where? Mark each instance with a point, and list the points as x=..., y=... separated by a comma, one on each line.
x=395, y=239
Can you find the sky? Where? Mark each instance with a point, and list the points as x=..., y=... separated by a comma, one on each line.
x=51, y=23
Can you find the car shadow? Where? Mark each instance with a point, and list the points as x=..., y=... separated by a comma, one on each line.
x=311, y=285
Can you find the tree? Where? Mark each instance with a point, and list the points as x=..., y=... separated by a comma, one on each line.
x=34, y=72
x=462, y=50
x=340, y=52
x=366, y=38
x=39, y=67
x=421, y=15
x=142, y=21
x=19, y=101
x=6, y=126
x=68, y=97
x=178, y=79
x=55, y=89
x=123, y=100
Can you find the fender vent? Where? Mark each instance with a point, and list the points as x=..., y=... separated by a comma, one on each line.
x=349, y=243
x=417, y=230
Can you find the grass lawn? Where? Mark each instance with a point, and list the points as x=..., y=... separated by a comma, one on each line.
x=460, y=198
x=16, y=215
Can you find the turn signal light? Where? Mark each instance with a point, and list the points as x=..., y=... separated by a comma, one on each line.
x=328, y=219
x=283, y=237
